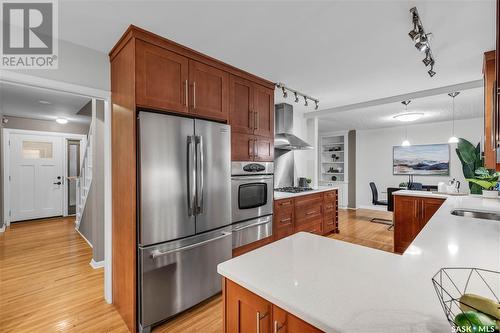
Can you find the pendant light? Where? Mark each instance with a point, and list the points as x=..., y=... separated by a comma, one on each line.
x=406, y=142
x=453, y=138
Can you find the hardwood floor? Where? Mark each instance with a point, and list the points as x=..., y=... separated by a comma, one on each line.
x=47, y=284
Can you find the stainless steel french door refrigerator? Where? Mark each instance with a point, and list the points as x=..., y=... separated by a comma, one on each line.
x=184, y=212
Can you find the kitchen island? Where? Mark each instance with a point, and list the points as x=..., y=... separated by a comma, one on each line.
x=334, y=286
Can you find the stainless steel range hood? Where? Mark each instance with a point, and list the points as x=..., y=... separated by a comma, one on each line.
x=284, y=139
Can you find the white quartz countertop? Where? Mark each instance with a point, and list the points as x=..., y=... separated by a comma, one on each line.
x=342, y=287
x=427, y=194
x=285, y=195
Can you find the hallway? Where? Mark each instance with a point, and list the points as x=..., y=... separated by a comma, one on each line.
x=47, y=284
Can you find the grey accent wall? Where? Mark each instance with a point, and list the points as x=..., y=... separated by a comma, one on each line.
x=46, y=125
x=92, y=223
x=351, y=143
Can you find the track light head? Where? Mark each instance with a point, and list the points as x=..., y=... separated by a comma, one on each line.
x=454, y=94
x=305, y=101
x=317, y=105
x=422, y=46
x=431, y=72
x=428, y=59
x=414, y=35
x=296, y=97
x=285, y=94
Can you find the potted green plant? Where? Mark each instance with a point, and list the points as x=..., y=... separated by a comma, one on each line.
x=487, y=179
x=470, y=157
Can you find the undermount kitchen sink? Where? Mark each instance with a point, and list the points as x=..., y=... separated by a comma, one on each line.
x=478, y=214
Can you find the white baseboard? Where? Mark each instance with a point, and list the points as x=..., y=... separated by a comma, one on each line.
x=90, y=244
x=374, y=207
x=96, y=264
x=2, y=229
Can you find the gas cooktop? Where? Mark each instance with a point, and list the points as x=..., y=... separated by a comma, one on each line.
x=293, y=189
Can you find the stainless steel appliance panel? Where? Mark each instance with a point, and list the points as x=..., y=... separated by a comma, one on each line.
x=251, y=197
x=251, y=231
x=213, y=164
x=179, y=274
x=167, y=177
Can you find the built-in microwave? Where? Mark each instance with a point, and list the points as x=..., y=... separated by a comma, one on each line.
x=252, y=187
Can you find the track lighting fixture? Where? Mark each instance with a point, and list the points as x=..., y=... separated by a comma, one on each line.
x=406, y=142
x=422, y=40
x=296, y=95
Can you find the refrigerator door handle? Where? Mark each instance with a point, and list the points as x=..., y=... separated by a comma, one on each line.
x=157, y=253
x=191, y=176
x=200, y=171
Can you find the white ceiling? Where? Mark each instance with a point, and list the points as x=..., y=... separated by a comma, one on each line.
x=342, y=52
x=468, y=104
x=24, y=101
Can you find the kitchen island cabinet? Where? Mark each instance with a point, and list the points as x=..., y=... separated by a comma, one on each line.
x=245, y=312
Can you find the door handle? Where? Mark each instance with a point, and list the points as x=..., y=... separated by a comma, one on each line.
x=256, y=120
x=250, y=148
x=277, y=326
x=186, y=92
x=251, y=120
x=194, y=95
x=255, y=148
x=157, y=253
x=191, y=176
x=199, y=172
x=58, y=183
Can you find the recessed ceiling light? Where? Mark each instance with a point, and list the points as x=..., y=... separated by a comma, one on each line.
x=44, y=102
x=61, y=121
x=410, y=116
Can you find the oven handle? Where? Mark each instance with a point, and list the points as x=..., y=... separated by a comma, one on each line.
x=252, y=225
x=251, y=177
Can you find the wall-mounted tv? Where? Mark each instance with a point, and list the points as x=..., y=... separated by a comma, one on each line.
x=422, y=160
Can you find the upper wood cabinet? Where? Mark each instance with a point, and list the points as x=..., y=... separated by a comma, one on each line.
x=161, y=78
x=263, y=111
x=264, y=149
x=491, y=128
x=209, y=95
x=241, y=107
x=411, y=214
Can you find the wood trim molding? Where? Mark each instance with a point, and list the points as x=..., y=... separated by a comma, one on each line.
x=139, y=33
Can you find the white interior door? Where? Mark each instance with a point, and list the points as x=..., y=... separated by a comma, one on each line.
x=36, y=170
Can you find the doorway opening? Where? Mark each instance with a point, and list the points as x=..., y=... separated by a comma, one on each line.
x=73, y=171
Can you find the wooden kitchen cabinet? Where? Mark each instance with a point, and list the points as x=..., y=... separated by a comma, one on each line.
x=491, y=128
x=316, y=213
x=162, y=78
x=284, y=322
x=264, y=149
x=209, y=95
x=241, y=114
x=264, y=111
x=242, y=147
x=245, y=312
x=411, y=214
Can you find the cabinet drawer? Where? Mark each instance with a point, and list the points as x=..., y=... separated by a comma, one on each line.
x=308, y=211
x=328, y=222
x=283, y=203
x=307, y=199
x=314, y=227
x=329, y=207
x=283, y=218
x=283, y=232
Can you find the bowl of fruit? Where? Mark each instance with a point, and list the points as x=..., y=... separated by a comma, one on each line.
x=469, y=298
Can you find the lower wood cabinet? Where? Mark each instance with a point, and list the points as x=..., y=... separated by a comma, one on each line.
x=411, y=214
x=245, y=312
x=316, y=213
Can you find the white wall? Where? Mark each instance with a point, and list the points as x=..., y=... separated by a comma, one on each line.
x=374, y=154
x=78, y=65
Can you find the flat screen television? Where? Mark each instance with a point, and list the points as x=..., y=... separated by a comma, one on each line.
x=422, y=160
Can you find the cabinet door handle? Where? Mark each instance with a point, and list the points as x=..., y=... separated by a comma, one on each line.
x=256, y=120
x=194, y=95
x=277, y=326
x=310, y=213
x=186, y=92
x=250, y=119
x=250, y=147
x=255, y=148
x=259, y=318
x=286, y=220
